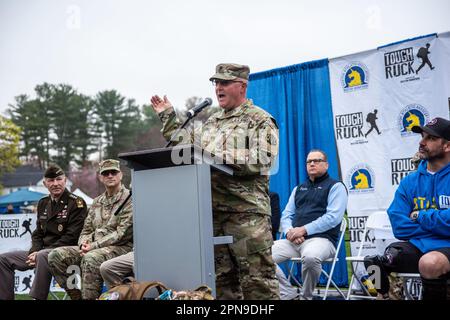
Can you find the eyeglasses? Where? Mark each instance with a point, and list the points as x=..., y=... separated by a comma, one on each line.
x=315, y=161
x=108, y=172
x=223, y=83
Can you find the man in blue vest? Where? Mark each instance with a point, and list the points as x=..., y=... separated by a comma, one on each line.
x=311, y=222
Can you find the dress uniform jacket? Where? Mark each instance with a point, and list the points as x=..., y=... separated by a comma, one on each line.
x=58, y=224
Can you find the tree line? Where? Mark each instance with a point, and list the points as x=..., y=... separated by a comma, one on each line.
x=62, y=125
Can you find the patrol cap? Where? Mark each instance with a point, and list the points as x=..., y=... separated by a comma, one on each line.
x=437, y=127
x=53, y=171
x=231, y=71
x=108, y=164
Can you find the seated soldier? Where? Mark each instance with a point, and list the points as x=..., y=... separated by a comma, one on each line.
x=107, y=233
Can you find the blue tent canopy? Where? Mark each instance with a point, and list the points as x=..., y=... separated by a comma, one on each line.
x=22, y=197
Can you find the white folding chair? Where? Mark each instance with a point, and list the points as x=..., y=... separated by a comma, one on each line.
x=332, y=261
x=380, y=224
x=56, y=297
x=410, y=281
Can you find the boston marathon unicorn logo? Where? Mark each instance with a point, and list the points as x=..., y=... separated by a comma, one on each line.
x=363, y=180
x=412, y=120
x=410, y=116
x=360, y=179
x=355, y=76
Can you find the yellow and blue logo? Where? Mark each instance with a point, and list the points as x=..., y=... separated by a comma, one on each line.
x=410, y=116
x=360, y=179
x=355, y=76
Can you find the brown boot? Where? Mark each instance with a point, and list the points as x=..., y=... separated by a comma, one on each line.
x=395, y=288
x=74, y=294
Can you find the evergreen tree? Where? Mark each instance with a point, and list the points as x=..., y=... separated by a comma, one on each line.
x=9, y=145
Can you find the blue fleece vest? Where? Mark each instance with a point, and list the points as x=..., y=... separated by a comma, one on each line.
x=311, y=201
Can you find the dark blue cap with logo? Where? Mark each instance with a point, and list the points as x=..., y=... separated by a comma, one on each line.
x=437, y=127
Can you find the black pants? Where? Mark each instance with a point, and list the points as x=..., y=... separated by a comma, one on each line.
x=404, y=257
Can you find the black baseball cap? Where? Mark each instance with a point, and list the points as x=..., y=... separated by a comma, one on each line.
x=437, y=127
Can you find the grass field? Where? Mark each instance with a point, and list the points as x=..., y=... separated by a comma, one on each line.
x=59, y=295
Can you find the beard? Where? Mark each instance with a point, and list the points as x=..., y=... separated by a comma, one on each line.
x=425, y=154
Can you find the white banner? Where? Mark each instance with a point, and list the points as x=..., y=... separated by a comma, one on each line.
x=15, y=234
x=377, y=96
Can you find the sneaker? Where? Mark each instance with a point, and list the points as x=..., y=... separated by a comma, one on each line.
x=381, y=296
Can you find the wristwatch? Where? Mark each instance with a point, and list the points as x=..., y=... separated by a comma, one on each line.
x=414, y=215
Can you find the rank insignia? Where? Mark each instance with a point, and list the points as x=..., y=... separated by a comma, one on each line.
x=80, y=203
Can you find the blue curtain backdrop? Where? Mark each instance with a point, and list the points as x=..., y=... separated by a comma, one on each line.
x=299, y=98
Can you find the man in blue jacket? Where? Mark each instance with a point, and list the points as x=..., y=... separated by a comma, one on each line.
x=420, y=215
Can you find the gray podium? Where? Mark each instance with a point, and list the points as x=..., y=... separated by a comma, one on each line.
x=172, y=216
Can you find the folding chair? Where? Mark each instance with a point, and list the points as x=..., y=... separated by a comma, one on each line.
x=54, y=289
x=380, y=224
x=55, y=296
x=379, y=221
x=409, y=281
x=332, y=261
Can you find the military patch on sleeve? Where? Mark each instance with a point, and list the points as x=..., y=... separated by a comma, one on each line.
x=80, y=203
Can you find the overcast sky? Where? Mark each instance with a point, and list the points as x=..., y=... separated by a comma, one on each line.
x=171, y=47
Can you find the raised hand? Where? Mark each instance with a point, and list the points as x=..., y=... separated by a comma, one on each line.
x=159, y=105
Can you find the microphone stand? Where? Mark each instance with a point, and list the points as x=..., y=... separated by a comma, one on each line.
x=178, y=131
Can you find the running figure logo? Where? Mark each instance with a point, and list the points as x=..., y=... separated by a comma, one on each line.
x=371, y=119
x=27, y=282
x=423, y=54
x=26, y=224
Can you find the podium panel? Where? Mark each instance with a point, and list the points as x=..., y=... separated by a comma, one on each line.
x=173, y=235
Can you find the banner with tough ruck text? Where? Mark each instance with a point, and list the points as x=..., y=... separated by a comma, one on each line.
x=377, y=97
x=15, y=234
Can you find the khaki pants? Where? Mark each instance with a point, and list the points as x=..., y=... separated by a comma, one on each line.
x=312, y=252
x=113, y=271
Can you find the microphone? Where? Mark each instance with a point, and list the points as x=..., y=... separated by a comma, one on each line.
x=195, y=110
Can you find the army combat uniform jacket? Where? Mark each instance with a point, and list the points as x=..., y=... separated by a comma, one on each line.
x=103, y=227
x=58, y=224
x=247, y=139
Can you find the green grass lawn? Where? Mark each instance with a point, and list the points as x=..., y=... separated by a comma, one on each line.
x=59, y=295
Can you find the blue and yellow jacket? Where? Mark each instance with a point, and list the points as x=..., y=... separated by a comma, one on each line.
x=429, y=193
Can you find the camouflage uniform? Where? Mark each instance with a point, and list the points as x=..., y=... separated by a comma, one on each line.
x=109, y=235
x=247, y=138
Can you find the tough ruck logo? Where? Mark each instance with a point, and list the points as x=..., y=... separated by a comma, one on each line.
x=351, y=126
x=400, y=168
x=360, y=179
x=410, y=116
x=355, y=76
x=9, y=228
x=400, y=63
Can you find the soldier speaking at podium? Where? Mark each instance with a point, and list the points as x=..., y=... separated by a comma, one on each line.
x=245, y=137
x=60, y=218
